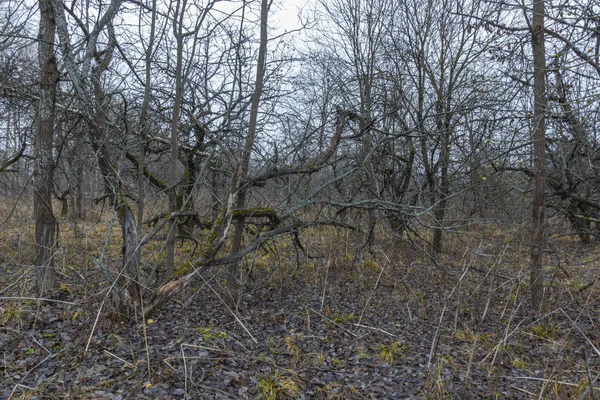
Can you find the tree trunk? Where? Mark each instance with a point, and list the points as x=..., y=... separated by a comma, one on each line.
x=233, y=269
x=444, y=115
x=45, y=222
x=144, y=120
x=174, y=178
x=539, y=148
x=127, y=293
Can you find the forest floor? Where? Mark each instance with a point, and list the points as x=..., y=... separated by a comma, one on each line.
x=316, y=327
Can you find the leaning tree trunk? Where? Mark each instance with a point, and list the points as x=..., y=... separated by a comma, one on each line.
x=45, y=222
x=539, y=148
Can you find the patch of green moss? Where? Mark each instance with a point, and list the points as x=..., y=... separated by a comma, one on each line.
x=257, y=212
x=182, y=270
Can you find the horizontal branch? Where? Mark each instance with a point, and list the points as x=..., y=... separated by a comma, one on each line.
x=281, y=172
x=183, y=147
x=162, y=223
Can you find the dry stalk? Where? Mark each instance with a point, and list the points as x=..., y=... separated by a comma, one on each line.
x=333, y=322
x=130, y=365
x=41, y=362
x=469, y=365
x=145, y=337
x=39, y=299
x=19, y=386
x=185, y=373
x=587, y=339
x=25, y=274
x=326, y=277
x=434, y=343
x=230, y=310
x=371, y=295
x=591, y=381
x=375, y=329
x=102, y=253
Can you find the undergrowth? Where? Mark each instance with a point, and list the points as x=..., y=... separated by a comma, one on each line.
x=454, y=327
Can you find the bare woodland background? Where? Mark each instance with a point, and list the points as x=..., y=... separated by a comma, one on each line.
x=189, y=139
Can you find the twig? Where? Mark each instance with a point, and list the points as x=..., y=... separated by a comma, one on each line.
x=166, y=361
x=589, y=285
x=41, y=362
x=112, y=286
x=120, y=359
x=226, y=394
x=40, y=299
x=370, y=295
x=198, y=290
x=439, y=326
x=581, y=332
x=161, y=224
x=101, y=258
x=491, y=270
x=469, y=366
x=87, y=345
x=524, y=391
x=198, y=346
x=333, y=322
x=13, y=283
x=434, y=342
x=234, y=355
x=231, y=311
x=589, y=376
x=517, y=329
x=325, y=284
x=145, y=337
x=14, y=207
x=185, y=374
x=533, y=378
x=18, y=385
x=375, y=329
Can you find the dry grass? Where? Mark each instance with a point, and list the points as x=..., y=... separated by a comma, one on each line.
x=472, y=305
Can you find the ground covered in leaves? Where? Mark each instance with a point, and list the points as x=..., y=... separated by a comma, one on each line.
x=392, y=325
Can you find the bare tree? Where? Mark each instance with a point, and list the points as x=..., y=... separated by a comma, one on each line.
x=241, y=171
x=86, y=71
x=45, y=222
x=143, y=127
x=539, y=150
x=181, y=35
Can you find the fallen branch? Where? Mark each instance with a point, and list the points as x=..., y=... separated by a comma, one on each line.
x=205, y=262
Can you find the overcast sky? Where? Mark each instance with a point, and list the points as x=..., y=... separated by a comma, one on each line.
x=285, y=13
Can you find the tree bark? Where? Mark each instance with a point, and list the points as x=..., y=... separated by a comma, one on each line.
x=233, y=269
x=144, y=120
x=539, y=148
x=443, y=117
x=174, y=178
x=128, y=288
x=45, y=221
